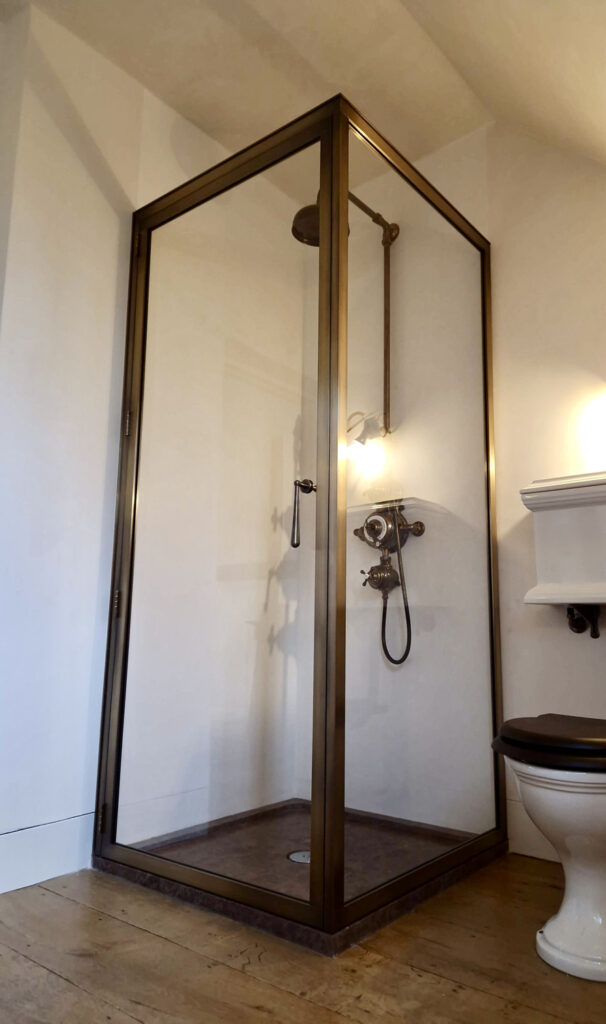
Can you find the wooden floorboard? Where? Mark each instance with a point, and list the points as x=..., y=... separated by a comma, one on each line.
x=30, y=993
x=90, y=947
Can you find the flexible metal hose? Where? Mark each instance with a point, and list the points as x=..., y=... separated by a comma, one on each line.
x=397, y=661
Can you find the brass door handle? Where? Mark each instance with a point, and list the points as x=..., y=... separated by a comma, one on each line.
x=295, y=534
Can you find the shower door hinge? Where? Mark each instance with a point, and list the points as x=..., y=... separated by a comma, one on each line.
x=102, y=819
x=117, y=604
x=127, y=423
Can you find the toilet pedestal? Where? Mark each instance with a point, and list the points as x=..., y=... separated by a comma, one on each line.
x=569, y=808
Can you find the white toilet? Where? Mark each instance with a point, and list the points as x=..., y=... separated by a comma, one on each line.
x=559, y=762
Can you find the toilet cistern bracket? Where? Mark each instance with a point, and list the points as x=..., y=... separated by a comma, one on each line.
x=582, y=617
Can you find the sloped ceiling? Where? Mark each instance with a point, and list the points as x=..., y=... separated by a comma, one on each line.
x=424, y=71
x=540, y=64
x=10, y=7
x=241, y=68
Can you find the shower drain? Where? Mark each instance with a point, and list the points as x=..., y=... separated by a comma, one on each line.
x=300, y=856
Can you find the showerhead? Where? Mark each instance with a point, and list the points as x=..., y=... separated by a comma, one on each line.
x=306, y=225
x=306, y=221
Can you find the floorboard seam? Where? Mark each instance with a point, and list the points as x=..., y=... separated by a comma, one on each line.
x=206, y=956
x=506, y=1000
x=95, y=997
x=441, y=918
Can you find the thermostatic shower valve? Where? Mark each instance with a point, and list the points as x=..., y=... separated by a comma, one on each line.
x=388, y=530
x=381, y=577
x=379, y=528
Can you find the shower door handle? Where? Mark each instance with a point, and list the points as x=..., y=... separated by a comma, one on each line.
x=295, y=534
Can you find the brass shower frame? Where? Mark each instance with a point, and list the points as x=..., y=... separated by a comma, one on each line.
x=326, y=921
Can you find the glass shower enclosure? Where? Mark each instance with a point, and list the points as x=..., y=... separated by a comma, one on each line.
x=302, y=675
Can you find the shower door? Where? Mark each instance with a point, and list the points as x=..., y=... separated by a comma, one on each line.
x=211, y=775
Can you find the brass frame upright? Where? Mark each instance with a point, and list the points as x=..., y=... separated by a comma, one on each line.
x=326, y=916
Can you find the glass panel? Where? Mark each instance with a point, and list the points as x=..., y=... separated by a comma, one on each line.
x=217, y=740
x=419, y=767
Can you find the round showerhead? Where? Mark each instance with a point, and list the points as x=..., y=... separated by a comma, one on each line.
x=306, y=225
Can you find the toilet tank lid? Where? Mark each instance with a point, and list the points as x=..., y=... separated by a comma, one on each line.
x=565, y=492
x=557, y=732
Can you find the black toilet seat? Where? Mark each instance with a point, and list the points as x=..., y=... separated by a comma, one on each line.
x=555, y=741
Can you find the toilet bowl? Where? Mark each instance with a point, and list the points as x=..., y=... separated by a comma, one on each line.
x=559, y=763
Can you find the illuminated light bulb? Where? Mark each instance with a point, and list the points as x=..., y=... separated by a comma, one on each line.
x=369, y=458
x=355, y=452
x=591, y=433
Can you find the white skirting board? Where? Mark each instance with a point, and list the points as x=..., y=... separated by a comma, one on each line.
x=45, y=851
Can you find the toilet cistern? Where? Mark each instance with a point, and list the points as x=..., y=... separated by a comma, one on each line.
x=569, y=519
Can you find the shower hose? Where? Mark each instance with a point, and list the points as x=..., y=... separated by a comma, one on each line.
x=397, y=661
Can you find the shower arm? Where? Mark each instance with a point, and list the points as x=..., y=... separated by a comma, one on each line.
x=390, y=233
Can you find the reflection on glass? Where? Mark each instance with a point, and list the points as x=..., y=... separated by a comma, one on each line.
x=419, y=771
x=216, y=755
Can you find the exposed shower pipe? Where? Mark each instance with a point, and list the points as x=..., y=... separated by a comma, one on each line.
x=306, y=228
x=390, y=233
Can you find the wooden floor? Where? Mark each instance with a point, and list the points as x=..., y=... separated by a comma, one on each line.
x=91, y=948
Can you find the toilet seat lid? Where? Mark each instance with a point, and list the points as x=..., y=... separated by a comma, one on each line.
x=557, y=741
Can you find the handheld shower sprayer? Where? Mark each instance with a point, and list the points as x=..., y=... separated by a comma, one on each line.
x=387, y=530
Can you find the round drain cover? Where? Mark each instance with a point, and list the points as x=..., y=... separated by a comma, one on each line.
x=300, y=856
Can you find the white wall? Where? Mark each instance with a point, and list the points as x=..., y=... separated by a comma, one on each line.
x=92, y=145
x=544, y=212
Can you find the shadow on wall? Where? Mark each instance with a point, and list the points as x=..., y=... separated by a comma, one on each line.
x=418, y=735
x=517, y=575
x=274, y=729
x=185, y=148
x=288, y=637
x=66, y=117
